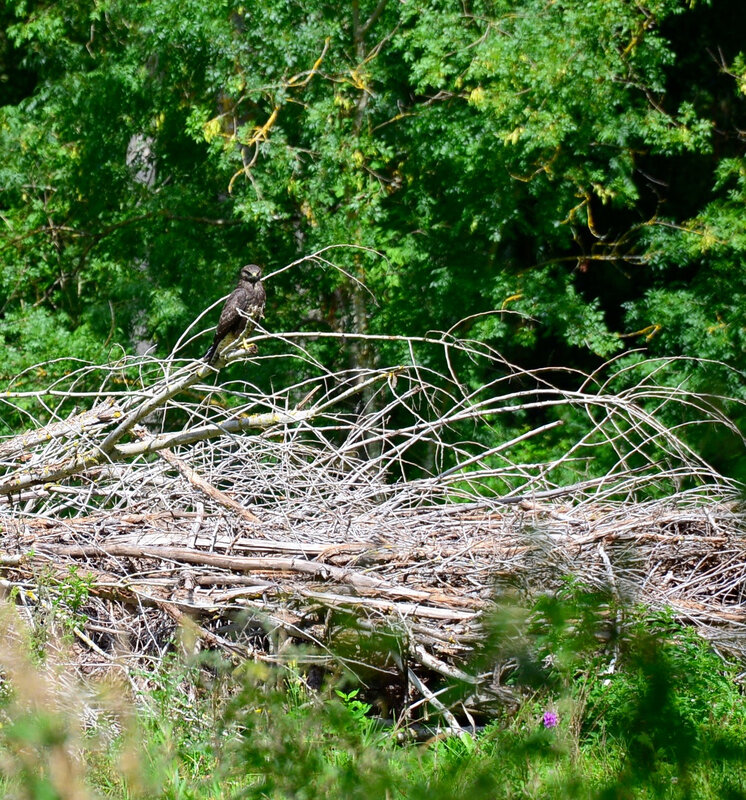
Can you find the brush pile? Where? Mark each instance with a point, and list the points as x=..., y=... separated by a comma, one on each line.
x=369, y=516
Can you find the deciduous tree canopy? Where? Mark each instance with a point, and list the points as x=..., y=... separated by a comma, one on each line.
x=580, y=163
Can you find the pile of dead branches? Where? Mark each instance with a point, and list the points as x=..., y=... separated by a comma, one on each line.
x=387, y=501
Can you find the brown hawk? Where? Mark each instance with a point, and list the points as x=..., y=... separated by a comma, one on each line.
x=242, y=309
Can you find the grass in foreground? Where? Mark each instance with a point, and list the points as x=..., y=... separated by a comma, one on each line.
x=669, y=722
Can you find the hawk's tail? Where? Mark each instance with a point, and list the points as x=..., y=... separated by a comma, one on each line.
x=210, y=354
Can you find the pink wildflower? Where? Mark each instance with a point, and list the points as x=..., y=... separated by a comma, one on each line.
x=550, y=719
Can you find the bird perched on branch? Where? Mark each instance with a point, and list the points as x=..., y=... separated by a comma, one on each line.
x=242, y=309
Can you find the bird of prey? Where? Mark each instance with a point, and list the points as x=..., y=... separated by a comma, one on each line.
x=242, y=309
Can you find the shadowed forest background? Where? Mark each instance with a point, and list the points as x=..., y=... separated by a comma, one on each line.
x=568, y=178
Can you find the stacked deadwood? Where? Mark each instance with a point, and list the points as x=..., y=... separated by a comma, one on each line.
x=265, y=521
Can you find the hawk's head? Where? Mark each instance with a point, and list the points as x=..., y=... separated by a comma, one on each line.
x=250, y=273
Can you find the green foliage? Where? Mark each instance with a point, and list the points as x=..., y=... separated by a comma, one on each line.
x=667, y=721
x=72, y=592
x=62, y=601
x=578, y=163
